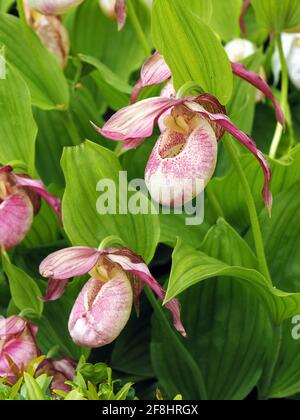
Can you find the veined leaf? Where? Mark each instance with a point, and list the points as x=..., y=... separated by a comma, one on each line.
x=38, y=67
x=84, y=167
x=193, y=53
x=277, y=15
x=17, y=127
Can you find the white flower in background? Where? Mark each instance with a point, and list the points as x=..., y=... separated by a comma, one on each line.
x=291, y=49
x=239, y=49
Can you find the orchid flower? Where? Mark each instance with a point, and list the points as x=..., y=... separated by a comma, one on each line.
x=51, y=32
x=53, y=7
x=20, y=201
x=238, y=50
x=61, y=370
x=17, y=347
x=291, y=49
x=186, y=150
x=104, y=305
x=115, y=9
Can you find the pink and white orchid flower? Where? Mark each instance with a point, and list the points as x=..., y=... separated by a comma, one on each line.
x=53, y=7
x=20, y=200
x=104, y=305
x=51, y=32
x=17, y=347
x=187, y=147
x=115, y=9
x=61, y=370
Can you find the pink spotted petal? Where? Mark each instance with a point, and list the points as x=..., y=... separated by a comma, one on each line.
x=137, y=121
x=101, y=311
x=256, y=81
x=55, y=289
x=120, y=10
x=154, y=72
x=16, y=217
x=180, y=166
x=69, y=262
x=226, y=124
x=39, y=188
x=135, y=265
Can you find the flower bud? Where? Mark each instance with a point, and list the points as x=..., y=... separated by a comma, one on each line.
x=101, y=310
x=61, y=370
x=53, y=7
x=17, y=347
x=239, y=49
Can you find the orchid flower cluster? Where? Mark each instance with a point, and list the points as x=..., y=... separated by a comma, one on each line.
x=190, y=128
x=18, y=348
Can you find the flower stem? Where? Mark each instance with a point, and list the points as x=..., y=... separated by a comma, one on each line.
x=138, y=28
x=256, y=230
x=284, y=98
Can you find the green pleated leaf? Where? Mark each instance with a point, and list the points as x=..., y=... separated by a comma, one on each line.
x=114, y=90
x=227, y=327
x=100, y=37
x=24, y=290
x=191, y=49
x=281, y=235
x=225, y=18
x=45, y=229
x=38, y=67
x=84, y=166
x=229, y=196
x=17, y=127
x=277, y=15
x=191, y=267
x=5, y=5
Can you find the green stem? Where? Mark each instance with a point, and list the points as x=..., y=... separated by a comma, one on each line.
x=259, y=245
x=138, y=28
x=188, y=88
x=111, y=242
x=183, y=350
x=284, y=99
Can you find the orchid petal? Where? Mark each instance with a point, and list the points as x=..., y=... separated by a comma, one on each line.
x=180, y=165
x=55, y=289
x=154, y=72
x=6, y=169
x=256, y=81
x=137, y=121
x=134, y=265
x=101, y=311
x=11, y=326
x=16, y=217
x=120, y=10
x=246, y=5
x=226, y=124
x=39, y=188
x=69, y=262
